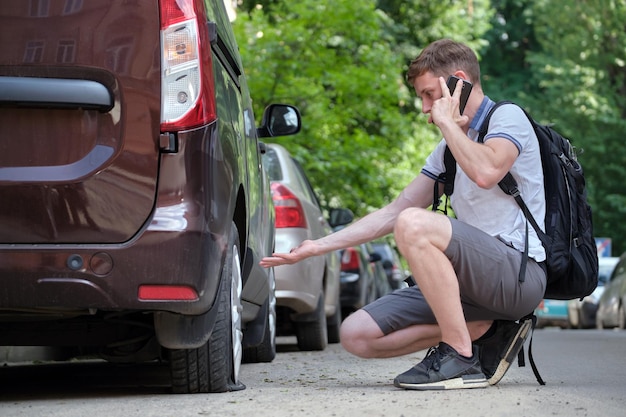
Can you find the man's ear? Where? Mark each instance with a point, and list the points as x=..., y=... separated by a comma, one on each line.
x=461, y=74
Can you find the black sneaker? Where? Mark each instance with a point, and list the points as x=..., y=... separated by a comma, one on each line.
x=498, y=351
x=443, y=368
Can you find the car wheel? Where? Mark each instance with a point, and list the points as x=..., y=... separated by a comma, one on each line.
x=334, y=323
x=266, y=351
x=587, y=320
x=214, y=367
x=621, y=319
x=599, y=324
x=312, y=335
x=573, y=317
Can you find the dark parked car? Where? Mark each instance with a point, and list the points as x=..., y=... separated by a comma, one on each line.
x=358, y=278
x=133, y=206
x=307, y=293
x=363, y=277
x=391, y=262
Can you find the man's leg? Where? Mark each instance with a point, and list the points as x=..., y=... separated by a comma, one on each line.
x=422, y=237
x=362, y=336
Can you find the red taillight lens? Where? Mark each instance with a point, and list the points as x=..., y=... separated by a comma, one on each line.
x=173, y=11
x=289, y=212
x=350, y=260
x=187, y=89
x=166, y=293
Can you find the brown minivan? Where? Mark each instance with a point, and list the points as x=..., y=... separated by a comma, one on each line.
x=133, y=205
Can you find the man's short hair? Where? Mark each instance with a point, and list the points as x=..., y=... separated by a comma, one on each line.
x=443, y=58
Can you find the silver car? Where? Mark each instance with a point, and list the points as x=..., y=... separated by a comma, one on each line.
x=307, y=293
x=582, y=313
x=612, y=304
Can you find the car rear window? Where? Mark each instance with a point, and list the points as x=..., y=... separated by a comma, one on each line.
x=272, y=165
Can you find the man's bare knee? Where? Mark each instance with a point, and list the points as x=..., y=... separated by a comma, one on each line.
x=414, y=228
x=410, y=221
x=358, y=330
x=418, y=229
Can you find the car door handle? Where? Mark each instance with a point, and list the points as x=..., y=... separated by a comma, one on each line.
x=55, y=93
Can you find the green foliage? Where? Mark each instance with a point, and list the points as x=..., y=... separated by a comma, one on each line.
x=505, y=71
x=581, y=75
x=416, y=23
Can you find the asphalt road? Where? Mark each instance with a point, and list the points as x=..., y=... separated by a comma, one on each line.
x=585, y=372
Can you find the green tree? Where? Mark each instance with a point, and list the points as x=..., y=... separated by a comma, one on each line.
x=582, y=90
x=505, y=70
x=416, y=23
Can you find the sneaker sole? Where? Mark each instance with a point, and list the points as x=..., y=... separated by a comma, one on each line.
x=511, y=353
x=464, y=382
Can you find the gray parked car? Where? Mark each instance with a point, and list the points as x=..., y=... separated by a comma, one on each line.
x=391, y=262
x=133, y=206
x=612, y=304
x=582, y=313
x=363, y=278
x=307, y=293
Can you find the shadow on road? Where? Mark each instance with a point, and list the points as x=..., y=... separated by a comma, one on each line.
x=82, y=379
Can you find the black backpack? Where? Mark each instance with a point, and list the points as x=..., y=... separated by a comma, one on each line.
x=572, y=259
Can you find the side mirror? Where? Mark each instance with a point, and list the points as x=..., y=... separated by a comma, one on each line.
x=280, y=120
x=340, y=217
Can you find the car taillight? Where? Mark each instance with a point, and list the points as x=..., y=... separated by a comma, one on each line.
x=289, y=212
x=187, y=90
x=350, y=260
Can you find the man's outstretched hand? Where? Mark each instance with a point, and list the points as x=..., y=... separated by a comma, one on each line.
x=306, y=249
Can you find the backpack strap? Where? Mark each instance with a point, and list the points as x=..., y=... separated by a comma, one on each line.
x=447, y=178
x=520, y=357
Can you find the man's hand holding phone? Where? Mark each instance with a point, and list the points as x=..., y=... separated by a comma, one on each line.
x=452, y=83
x=451, y=110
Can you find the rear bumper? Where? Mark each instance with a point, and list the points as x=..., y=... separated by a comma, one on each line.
x=182, y=243
x=108, y=278
x=299, y=286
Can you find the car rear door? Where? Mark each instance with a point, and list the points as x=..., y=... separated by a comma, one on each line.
x=79, y=110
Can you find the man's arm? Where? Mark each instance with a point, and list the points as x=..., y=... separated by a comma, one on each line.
x=484, y=163
x=379, y=223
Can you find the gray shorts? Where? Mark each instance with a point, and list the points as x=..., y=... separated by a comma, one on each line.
x=488, y=274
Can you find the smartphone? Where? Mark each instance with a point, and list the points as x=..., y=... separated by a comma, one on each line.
x=465, y=92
